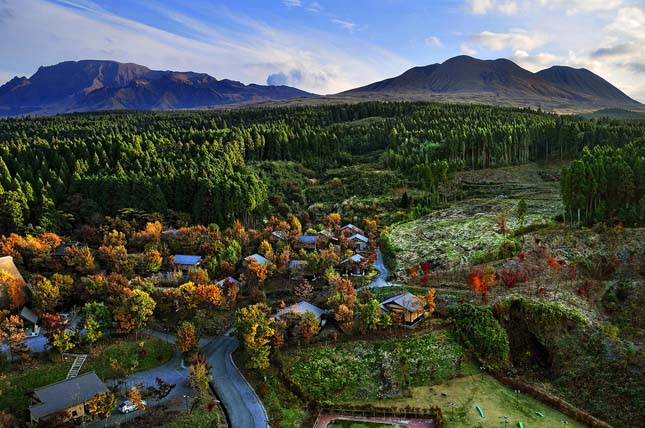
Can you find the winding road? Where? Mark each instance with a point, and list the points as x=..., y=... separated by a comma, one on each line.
x=242, y=405
x=381, y=279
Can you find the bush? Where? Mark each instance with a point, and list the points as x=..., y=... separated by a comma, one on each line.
x=483, y=333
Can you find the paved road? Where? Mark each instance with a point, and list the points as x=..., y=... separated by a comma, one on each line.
x=243, y=406
x=172, y=372
x=381, y=279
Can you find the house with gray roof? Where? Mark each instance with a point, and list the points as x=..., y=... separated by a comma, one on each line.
x=258, y=258
x=355, y=265
x=229, y=279
x=65, y=400
x=32, y=329
x=407, y=306
x=300, y=308
x=350, y=228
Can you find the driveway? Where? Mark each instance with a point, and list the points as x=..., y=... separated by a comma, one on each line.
x=383, y=272
x=172, y=372
x=243, y=406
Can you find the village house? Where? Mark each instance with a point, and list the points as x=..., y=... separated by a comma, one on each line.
x=65, y=400
x=59, y=252
x=350, y=228
x=300, y=308
x=329, y=235
x=278, y=235
x=355, y=265
x=258, y=258
x=407, y=306
x=32, y=329
x=308, y=242
x=186, y=263
x=297, y=268
x=228, y=279
x=359, y=242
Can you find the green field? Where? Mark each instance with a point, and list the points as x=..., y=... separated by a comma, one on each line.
x=495, y=399
x=360, y=371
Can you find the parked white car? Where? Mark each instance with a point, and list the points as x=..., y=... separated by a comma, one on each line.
x=127, y=406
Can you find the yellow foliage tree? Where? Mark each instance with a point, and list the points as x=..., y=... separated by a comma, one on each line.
x=187, y=340
x=430, y=303
x=256, y=331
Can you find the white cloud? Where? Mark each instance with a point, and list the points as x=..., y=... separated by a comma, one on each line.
x=248, y=51
x=292, y=3
x=347, y=25
x=467, y=50
x=629, y=21
x=6, y=76
x=482, y=7
x=433, y=41
x=314, y=7
x=516, y=39
x=508, y=7
x=573, y=7
x=534, y=62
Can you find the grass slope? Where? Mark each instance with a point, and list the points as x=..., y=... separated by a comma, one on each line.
x=495, y=399
x=456, y=235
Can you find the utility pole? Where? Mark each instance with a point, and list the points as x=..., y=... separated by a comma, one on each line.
x=452, y=410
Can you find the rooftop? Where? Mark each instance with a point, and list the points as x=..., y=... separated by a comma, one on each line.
x=182, y=259
x=29, y=315
x=7, y=265
x=308, y=239
x=301, y=308
x=352, y=227
x=258, y=258
x=356, y=258
x=359, y=237
x=64, y=394
x=221, y=282
x=297, y=264
x=407, y=301
x=60, y=251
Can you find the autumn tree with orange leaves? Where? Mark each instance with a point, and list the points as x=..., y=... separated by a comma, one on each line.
x=15, y=290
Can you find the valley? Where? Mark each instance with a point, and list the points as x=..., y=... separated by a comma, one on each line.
x=179, y=235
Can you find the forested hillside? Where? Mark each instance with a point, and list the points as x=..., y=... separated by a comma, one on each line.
x=199, y=166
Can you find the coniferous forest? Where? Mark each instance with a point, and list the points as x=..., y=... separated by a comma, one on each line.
x=56, y=171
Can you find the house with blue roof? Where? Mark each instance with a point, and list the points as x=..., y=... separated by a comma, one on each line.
x=186, y=263
x=308, y=242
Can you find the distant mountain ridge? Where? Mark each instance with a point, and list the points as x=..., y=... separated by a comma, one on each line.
x=90, y=85
x=503, y=79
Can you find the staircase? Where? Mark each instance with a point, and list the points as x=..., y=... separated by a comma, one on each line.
x=79, y=360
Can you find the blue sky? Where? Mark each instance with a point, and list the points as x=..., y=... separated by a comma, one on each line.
x=326, y=46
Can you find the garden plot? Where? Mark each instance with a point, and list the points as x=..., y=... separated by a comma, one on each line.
x=454, y=236
x=345, y=373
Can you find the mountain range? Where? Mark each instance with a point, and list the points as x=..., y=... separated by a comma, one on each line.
x=501, y=81
x=91, y=85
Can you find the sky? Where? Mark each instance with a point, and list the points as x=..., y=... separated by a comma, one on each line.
x=326, y=46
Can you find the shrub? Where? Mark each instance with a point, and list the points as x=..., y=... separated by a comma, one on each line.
x=482, y=332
